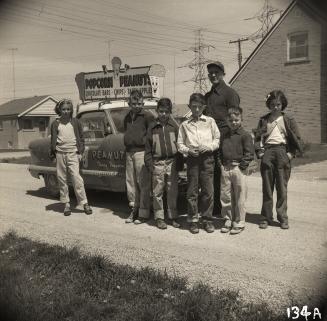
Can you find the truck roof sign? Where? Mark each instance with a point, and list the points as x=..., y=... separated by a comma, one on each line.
x=119, y=82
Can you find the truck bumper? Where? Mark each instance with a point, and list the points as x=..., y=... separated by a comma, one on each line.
x=36, y=170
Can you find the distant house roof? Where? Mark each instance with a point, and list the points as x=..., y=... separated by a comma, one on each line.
x=22, y=106
x=317, y=7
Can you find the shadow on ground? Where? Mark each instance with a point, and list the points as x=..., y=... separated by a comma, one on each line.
x=256, y=218
x=117, y=204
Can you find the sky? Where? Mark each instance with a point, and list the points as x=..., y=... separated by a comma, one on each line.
x=45, y=43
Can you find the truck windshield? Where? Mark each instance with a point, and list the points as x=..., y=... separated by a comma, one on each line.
x=118, y=115
x=94, y=125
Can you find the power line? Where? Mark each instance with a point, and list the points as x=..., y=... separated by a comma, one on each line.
x=83, y=20
x=130, y=38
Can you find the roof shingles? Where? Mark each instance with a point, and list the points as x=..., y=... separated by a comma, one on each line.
x=18, y=106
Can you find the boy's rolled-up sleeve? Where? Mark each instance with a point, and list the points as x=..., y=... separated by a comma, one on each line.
x=181, y=146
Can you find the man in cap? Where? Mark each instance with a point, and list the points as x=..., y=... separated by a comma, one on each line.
x=219, y=99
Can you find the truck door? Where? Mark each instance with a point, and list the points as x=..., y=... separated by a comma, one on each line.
x=103, y=163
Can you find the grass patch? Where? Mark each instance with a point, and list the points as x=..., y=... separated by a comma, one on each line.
x=43, y=282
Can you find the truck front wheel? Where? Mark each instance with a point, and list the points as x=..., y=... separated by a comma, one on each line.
x=51, y=184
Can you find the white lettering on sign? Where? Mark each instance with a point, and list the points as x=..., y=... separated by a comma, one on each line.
x=101, y=85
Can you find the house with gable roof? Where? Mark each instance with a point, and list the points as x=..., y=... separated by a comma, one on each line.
x=292, y=57
x=26, y=119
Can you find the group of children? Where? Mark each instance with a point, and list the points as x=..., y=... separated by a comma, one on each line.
x=157, y=147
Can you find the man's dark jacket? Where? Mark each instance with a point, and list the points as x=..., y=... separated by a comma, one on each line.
x=218, y=100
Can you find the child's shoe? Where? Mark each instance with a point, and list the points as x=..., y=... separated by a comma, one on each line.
x=225, y=229
x=87, y=209
x=67, y=210
x=284, y=225
x=263, y=224
x=161, y=224
x=132, y=216
x=208, y=226
x=194, y=228
x=140, y=220
x=236, y=230
x=175, y=224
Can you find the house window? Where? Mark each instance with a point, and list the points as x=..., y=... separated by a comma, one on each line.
x=1, y=125
x=42, y=125
x=27, y=124
x=298, y=46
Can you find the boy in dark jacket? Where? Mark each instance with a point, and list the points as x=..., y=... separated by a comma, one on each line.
x=160, y=159
x=67, y=146
x=277, y=140
x=138, y=182
x=237, y=152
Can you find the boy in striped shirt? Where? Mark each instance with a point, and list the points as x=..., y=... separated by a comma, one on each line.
x=160, y=160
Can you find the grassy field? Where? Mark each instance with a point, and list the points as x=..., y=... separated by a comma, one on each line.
x=42, y=282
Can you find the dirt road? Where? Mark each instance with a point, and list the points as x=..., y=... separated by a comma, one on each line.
x=261, y=264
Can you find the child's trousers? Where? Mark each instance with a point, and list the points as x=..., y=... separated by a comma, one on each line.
x=200, y=175
x=233, y=194
x=275, y=171
x=138, y=183
x=165, y=178
x=69, y=163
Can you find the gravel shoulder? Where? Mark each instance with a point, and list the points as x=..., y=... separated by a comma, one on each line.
x=262, y=265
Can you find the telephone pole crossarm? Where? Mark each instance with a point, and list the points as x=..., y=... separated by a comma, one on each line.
x=239, y=55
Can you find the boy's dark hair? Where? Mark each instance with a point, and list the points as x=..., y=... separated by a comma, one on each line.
x=135, y=95
x=237, y=111
x=197, y=97
x=165, y=102
x=62, y=102
x=277, y=95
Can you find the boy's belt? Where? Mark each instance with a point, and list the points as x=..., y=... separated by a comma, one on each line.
x=267, y=146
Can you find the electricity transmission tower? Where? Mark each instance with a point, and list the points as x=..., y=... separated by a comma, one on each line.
x=265, y=16
x=198, y=63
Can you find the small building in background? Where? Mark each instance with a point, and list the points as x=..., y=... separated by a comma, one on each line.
x=26, y=119
x=292, y=57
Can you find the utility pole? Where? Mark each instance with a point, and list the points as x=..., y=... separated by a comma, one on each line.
x=13, y=70
x=199, y=63
x=239, y=55
x=174, y=78
x=109, y=52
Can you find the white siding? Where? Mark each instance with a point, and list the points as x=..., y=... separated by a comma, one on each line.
x=44, y=109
